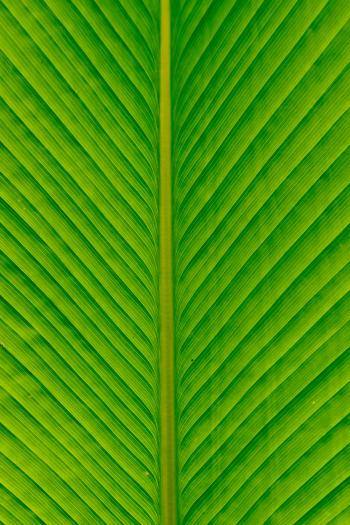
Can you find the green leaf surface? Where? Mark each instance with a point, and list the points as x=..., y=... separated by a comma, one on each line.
x=79, y=189
x=262, y=275
x=175, y=270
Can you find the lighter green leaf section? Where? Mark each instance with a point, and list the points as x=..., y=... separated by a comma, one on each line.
x=262, y=276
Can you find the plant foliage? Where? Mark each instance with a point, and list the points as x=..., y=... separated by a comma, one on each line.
x=261, y=275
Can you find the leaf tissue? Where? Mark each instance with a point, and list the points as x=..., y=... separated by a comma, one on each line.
x=175, y=269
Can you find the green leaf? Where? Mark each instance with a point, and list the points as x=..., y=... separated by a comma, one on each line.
x=262, y=275
x=175, y=271
x=79, y=188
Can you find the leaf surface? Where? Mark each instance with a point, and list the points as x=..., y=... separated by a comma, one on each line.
x=79, y=189
x=261, y=215
x=175, y=271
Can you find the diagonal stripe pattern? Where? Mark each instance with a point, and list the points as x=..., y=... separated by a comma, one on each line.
x=79, y=261
x=257, y=238
x=262, y=277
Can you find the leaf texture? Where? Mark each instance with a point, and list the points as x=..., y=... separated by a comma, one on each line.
x=256, y=215
x=261, y=231
x=79, y=206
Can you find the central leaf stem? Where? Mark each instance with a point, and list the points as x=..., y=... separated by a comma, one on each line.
x=167, y=358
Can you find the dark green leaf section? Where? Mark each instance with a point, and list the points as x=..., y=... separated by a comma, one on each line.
x=261, y=128
x=79, y=261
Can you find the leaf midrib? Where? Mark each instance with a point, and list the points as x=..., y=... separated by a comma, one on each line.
x=167, y=383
